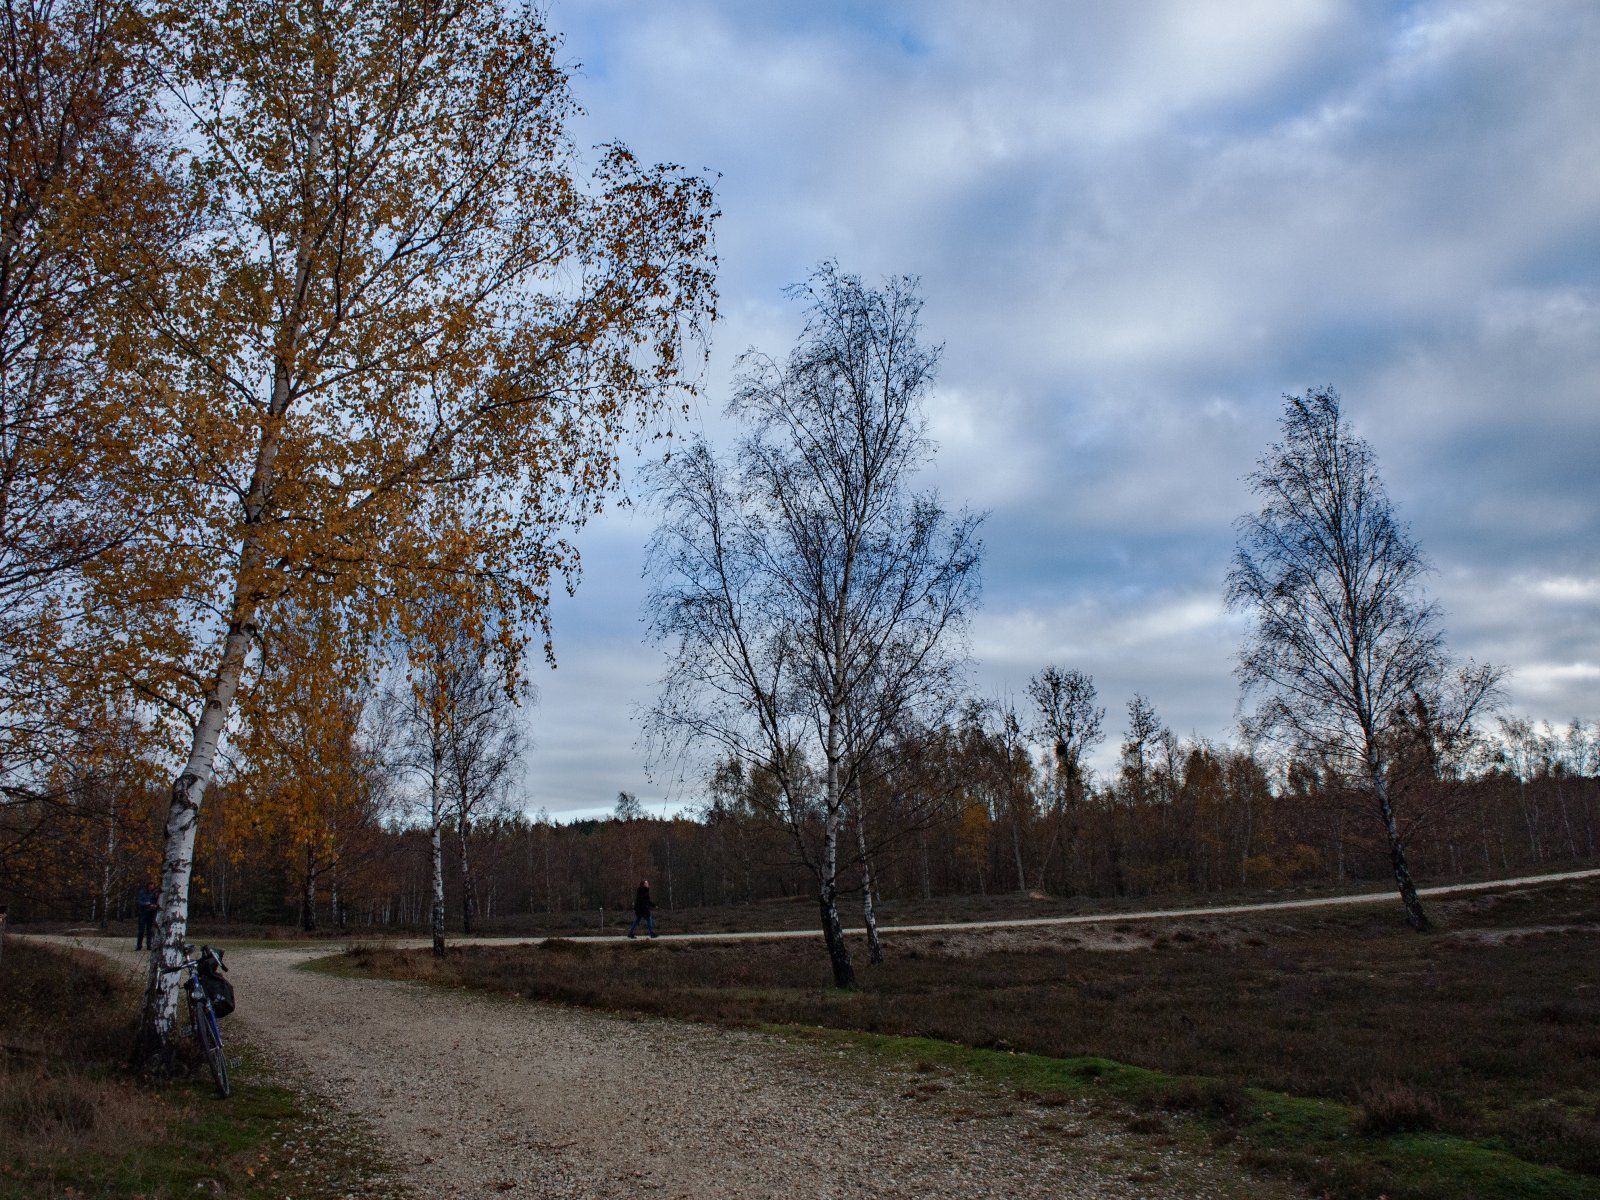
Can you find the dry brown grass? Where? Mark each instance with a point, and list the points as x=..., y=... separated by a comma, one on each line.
x=74, y=1123
x=63, y=1032
x=1397, y=1108
x=1484, y=1036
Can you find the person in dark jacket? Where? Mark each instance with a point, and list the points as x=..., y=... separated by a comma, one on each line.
x=145, y=902
x=642, y=904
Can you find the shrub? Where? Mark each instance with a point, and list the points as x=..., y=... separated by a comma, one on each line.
x=567, y=946
x=1553, y=1134
x=42, y=1106
x=1396, y=1108
x=1146, y=1123
x=1050, y=1099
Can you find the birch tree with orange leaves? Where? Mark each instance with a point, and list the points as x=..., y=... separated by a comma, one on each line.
x=399, y=359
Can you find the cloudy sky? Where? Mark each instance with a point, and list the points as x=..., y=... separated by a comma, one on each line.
x=1137, y=225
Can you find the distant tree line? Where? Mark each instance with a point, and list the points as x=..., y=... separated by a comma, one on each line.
x=998, y=813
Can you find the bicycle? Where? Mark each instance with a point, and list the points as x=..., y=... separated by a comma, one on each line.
x=203, y=1015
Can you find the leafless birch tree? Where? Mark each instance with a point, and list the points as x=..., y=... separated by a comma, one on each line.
x=1345, y=641
x=483, y=756
x=812, y=601
x=454, y=730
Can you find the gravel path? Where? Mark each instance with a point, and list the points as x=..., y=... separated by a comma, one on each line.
x=479, y=1096
x=1383, y=896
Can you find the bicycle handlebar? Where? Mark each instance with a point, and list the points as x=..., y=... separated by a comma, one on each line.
x=216, y=957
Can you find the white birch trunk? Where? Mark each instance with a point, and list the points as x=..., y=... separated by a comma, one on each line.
x=1378, y=777
x=177, y=866
x=188, y=790
x=832, y=932
x=106, y=867
x=468, y=896
x=874, y=946
x=436, y=820
x=1016, y=847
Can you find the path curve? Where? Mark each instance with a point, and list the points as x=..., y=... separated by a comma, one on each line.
x=479, y=1096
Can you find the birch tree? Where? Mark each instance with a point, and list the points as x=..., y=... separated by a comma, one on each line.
x=418, y=713
x=398, y=359
x=1345, y=641
x=483, y=756
x=455, y=729
x=811, y=601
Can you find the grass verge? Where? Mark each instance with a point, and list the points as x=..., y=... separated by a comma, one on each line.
x=75, y=1125
x=1318, y=1142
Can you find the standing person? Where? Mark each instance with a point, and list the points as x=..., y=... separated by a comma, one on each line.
x=642, y=904
x=145, y=902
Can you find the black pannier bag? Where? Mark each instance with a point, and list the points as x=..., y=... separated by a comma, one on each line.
x=218, y=990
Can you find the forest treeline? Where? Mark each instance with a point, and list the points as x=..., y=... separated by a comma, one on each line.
x=992, y=815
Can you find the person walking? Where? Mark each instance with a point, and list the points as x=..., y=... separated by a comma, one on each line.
x=642, y=904
x=145, y=902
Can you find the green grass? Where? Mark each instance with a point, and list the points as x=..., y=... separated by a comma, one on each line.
x=1317, y=1141
x=77, y=1126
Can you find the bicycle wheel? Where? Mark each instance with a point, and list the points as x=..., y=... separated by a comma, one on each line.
x=205, y=1028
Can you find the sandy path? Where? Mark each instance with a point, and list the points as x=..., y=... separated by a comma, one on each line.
x=478, y=1096
x=1386, y=895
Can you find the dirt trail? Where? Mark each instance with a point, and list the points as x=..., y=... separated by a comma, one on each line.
x=476, y=1096
x=1106, y=918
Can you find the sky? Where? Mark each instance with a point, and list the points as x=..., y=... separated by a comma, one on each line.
x=1137, y=226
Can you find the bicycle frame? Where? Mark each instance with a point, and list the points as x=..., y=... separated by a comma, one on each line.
x=203, y=1021
x=200, y=1002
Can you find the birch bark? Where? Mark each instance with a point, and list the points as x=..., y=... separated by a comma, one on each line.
x=868, y=912
x=436, y=821
x=107, y=866
x=844, y=975
x=1415, y=917
x=159, y=1017
x=468, y=896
